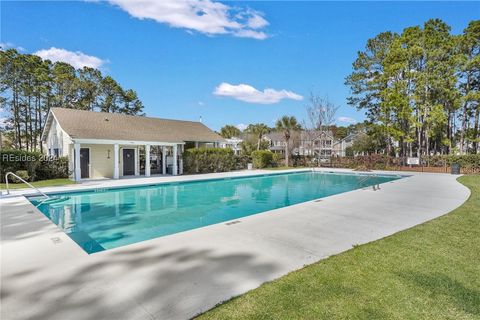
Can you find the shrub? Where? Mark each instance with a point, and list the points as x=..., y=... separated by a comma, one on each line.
x=466, y=161
x=241, y=162
x=22, y=174
x=349, y=152
x=17, y=160
x=470, y=162
x=362, y=167
x=262, y=158
x=303, y=160
x=276, y=160
x=37, y=166
x=52, y=168
x=205, y=160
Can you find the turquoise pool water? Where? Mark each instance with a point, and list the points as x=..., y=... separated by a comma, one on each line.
x=108, y=218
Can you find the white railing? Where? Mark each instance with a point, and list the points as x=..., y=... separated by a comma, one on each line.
x=19, y=178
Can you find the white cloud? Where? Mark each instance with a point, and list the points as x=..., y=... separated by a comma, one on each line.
x=346, y=120
x=241, y=126
x=77, y=59
x=9, y=45
x=204, y=16
x=250, y=34
x=256, y=21
x=247, y=93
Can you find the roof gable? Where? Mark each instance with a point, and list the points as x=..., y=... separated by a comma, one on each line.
x=82, y=124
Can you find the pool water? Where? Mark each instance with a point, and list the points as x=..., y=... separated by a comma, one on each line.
x=108, y=218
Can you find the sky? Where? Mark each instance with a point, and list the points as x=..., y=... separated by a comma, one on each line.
x=226, y=62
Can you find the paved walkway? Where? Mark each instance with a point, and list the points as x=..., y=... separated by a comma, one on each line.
x=45, y=275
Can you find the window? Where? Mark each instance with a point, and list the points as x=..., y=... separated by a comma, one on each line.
x=56, y=152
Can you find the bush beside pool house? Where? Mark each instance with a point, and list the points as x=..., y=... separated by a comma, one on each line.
x=111, y=145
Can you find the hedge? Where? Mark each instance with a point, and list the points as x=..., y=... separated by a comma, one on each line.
x=205, y=160
x=383, y=162
x=262, y=158
x=242, y=161
x=465, y=161
x=374, y=161
x=37, y=166
x=469, y=163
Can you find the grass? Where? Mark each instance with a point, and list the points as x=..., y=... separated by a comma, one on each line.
x=38, y=184
x=431, y=271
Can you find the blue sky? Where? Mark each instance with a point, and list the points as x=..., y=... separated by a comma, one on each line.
x=216, y=59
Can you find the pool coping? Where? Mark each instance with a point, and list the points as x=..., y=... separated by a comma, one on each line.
x=111, y=184
x=101, y=248
x=176, y=183
x=46, y=275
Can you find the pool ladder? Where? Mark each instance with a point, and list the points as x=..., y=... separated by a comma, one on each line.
x=365, y=179
x=28, y=184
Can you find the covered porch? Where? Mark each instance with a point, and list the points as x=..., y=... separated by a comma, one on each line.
x=97, y=159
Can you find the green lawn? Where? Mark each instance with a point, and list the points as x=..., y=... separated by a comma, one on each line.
x=431, y=271
x=38, y=184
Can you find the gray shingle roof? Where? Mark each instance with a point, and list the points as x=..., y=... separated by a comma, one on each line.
x=82, y=124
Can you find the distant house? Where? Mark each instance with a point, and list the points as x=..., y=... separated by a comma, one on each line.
x=313, y=143
x=233, y=143
x=301, y=143
x=276, y=141
x=340, y=146
x=112, y=145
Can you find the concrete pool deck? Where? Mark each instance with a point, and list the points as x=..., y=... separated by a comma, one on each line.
x=45, y=275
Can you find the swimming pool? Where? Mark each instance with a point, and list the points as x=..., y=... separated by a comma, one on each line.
x=108, y=218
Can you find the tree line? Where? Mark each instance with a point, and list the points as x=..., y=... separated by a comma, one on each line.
x=420, y=90
x=30, y=86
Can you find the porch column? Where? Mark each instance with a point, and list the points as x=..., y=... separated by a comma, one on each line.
x=137, y=161
x=180, y=162
x=196, y=144
x=115, y=161
x=147, y=160
x=175, y=157
x=77, y=169
x=164, y=161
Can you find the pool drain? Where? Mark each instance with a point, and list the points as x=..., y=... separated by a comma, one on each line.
x=232, y=222
x=56, y=240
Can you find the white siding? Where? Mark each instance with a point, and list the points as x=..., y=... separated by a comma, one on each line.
x=57, y=139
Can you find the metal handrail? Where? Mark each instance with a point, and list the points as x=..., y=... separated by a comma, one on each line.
x=366, y=178
x=19, y=178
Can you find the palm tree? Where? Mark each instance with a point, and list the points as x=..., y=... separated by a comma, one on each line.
x=287, y=125
x=258, y=130
x=230, y=131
